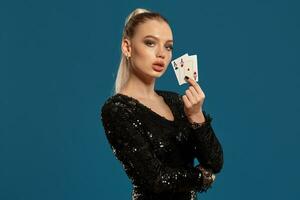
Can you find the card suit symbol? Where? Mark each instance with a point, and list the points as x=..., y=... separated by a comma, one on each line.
x=181, y=62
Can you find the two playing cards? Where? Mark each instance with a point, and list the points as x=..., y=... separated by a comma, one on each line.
x=185, y=65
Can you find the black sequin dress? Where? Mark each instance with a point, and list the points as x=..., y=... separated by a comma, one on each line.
x=156, y=153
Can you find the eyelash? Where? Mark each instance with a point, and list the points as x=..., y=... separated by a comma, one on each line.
x=149, y=42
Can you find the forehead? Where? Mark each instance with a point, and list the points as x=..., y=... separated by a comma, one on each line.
x=157, y=28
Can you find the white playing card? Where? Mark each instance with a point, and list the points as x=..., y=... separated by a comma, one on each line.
x=185, y=65
x=178, y=68
x=195, y=67
x=188, y=64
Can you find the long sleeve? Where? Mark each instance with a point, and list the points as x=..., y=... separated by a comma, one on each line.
x=205, y=144
x=129, y=143
x=207, y=147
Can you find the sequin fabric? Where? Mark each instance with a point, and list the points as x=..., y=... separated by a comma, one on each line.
x=158, y=154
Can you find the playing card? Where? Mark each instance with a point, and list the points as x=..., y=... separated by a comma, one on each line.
x=185, y=65
x=188, y=69
x=195, y=67
x=178, y=68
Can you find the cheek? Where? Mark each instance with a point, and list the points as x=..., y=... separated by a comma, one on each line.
x=169, y=58
x=144, y=55
x=140, y=51
x=140, y=57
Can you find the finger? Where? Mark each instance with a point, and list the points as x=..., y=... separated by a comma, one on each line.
x=190, y=96
x=194, y=84
x=195, y=93
x=186, y=101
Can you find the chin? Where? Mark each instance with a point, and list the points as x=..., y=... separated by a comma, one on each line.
x=158, y=74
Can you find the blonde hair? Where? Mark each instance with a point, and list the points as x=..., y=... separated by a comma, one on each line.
x=136, y=17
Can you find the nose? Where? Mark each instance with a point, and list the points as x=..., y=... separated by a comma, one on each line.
x=161, y=51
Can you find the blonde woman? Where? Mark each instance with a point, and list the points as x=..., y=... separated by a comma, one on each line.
x=157, y=134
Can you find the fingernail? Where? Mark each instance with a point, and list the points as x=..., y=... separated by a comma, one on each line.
x=186, y=77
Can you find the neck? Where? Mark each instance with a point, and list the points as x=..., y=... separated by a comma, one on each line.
x=140, y=87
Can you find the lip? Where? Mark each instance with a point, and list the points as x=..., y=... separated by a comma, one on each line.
x=158, y=66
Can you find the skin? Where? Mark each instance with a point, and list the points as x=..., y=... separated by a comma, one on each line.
x=143, y=51
x=153, y=41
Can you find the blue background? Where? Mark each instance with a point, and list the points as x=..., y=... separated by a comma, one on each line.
x=58, y=61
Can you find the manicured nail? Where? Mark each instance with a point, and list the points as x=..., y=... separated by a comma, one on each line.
x=186, y=77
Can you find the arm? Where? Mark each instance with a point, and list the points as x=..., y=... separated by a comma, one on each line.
x=206, y=146
x=127, y=139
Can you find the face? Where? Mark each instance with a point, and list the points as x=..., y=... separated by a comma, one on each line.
x=150, y=48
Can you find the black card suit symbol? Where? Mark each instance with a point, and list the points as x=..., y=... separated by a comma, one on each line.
x=181, y=63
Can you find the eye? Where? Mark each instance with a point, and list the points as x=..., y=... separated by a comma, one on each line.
x=169, y=47
x=149, y=43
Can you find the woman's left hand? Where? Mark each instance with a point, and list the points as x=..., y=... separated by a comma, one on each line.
x=193, y=101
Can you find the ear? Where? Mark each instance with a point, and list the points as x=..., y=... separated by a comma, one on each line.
x=126, y=47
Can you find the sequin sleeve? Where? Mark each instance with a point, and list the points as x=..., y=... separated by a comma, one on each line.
x=207, y=147
x=125, y=133
x=205, y=144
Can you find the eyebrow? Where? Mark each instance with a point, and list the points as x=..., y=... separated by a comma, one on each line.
x=156, y=38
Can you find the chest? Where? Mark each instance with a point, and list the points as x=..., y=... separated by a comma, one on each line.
x=169, y=142
x=159, y=107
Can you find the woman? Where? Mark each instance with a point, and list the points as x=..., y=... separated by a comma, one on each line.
x=156, y=134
